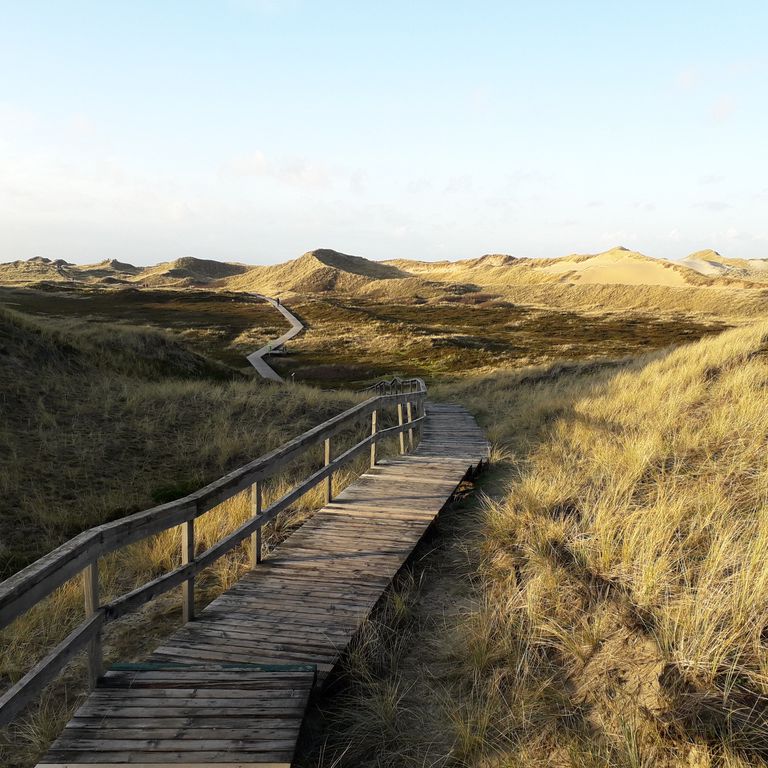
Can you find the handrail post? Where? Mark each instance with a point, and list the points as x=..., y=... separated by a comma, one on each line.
x=373, y=442
x=91, y=594
x=256, y=535
x=329, y=479
x=409, y=413
x=188, y=556
x=400, y=422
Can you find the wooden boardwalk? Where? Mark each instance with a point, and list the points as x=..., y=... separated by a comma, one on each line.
x=256, y=359
x=230, y=688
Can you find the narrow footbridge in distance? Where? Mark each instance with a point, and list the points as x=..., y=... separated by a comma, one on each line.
x=230, y=687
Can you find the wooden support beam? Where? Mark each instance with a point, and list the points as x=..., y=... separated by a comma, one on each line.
x=400, y=423
x=188, y=556
x=373, y=442
x=409, y=414
x=329, y=481
x=91, y=596
x=256, y=535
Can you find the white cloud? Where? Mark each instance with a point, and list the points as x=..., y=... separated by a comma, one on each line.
x=294, y=171
x=458, y=184
x=687, y=79
x=710, y=178
x=358, y=182
x=714, y=206
x=723, y=108
x=618, y=237
x=419, y=186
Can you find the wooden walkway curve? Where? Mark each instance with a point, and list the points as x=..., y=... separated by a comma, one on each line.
x=256, y=359
x=230, y=688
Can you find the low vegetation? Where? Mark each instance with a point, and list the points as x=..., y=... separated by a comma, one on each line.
x=605, y=604
x=220, y=325
x=470, y=332
x=602, y=603
x=103, y=420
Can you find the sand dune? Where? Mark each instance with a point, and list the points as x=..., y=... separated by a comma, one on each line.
x=319, y=271
x=615, y=279
x=618, y=267
x=709, y=262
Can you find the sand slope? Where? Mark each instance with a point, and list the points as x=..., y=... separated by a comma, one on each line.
x=618, y=267
x=709, y=262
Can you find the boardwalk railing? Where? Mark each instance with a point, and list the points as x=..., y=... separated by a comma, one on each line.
x=81, y=554
x=396, y=385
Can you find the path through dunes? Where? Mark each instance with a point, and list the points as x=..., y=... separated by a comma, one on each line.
x=230, y=688
x=256, y=359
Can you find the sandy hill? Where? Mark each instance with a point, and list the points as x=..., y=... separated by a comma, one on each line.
x=108, y=267
x=325, y=270
x=615, y=279
x=182, y=272
x=35, y=270
x=107, y=272
x=617, y=266
x=319, y=271
x=189, y=271
x=711, y=263
x=357, y=265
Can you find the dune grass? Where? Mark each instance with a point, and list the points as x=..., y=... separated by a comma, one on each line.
x=351, y=341
x=605, y=603
x=223, y=326
x=105, y=420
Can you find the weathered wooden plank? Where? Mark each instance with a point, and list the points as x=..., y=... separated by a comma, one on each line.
x=157, y=746
x=164, y=695
x=97, y=762
x=75, y=758
x=177, y=763
x=153, y=729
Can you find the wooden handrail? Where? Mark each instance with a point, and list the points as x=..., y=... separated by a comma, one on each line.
x=396, y=385
x=28, y=587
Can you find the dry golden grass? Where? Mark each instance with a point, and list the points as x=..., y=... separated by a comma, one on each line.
x=632, y=540
x=605, y=604
x=653, y=478
x=104, y=421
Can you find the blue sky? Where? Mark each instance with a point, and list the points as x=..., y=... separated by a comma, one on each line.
x=255, y=130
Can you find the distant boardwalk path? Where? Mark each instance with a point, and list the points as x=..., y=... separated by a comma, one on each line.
x=256, y=359
x=230, y=688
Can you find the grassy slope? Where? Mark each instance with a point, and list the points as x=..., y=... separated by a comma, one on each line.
x=357, y=340
x=102, y=420
x=606, y=605
x=223, y=326
x=576, y=633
